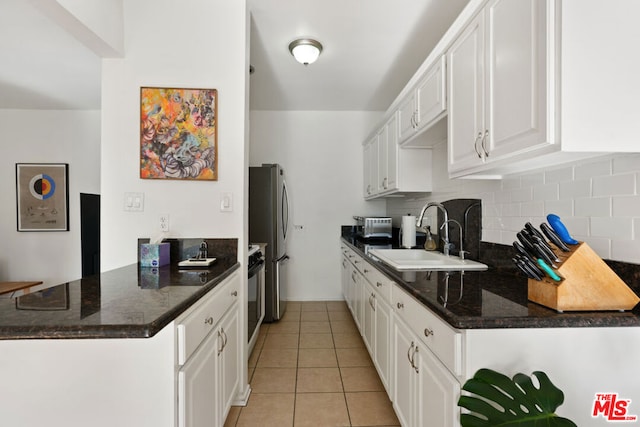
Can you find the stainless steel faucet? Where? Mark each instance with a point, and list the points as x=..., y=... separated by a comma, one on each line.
x=447, y=245
x=462, y=251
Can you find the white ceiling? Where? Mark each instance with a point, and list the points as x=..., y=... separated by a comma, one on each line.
x=371, y=49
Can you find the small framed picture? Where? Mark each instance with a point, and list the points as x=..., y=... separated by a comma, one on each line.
x=42, y=196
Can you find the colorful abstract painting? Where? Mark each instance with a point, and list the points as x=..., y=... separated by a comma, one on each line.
x=178, y=134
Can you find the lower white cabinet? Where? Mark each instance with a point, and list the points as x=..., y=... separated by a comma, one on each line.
x=209, y=369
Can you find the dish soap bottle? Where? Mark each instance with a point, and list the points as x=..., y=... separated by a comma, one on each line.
x=429, y=243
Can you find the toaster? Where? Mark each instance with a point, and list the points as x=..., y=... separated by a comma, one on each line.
x=373, y=227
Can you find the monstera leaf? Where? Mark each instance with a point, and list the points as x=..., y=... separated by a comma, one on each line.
x=503, y=402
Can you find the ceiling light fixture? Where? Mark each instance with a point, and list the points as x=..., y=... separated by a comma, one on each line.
x=306, y=51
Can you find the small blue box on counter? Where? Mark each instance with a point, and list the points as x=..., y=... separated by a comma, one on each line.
x=154, y=254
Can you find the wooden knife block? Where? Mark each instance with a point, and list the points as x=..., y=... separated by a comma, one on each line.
x=588, y=284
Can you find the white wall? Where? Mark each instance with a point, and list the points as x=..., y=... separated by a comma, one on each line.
x=190, y=44
x=598, y=200
x=30, y=136
x=321, y=154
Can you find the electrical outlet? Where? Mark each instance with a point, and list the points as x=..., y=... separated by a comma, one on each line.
x=164, y=222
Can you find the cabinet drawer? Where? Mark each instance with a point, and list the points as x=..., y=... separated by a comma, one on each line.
x=379, y=281
x=444, y=341
x=201, y=319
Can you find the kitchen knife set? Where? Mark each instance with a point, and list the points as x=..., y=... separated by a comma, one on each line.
x=537, y=258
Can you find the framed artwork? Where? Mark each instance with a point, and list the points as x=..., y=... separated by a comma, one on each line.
x=178, y=134
x=42, y=193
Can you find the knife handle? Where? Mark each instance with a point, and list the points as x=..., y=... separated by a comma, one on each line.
x=553, y=237
x=560, y=229
x=548, y=270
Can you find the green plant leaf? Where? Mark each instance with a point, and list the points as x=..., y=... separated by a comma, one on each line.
x=500, y=401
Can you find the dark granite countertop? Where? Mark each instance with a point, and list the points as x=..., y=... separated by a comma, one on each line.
x=128, y=302
x=489, y=299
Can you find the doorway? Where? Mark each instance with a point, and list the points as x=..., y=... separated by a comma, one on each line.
x=90, y=233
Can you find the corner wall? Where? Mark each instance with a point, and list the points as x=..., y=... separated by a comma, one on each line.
x=46, y=136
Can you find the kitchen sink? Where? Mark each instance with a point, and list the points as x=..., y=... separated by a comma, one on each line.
x=419, y=259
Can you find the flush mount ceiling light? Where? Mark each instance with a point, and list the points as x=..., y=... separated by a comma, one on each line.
x=306, y=51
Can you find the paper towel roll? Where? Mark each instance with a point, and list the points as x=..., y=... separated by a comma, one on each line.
x=408, y=231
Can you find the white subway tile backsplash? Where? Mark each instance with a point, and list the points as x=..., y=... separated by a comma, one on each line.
x=614, y=185
x=559, y=207
x=598, y=200
x=626, y=250
x=573, y=189
x=591, y=169
x=626, y=206
x=522, y=195
x=545, y=192
x=597, y=206
x=614, y=228
x=559, y=175
x=626, y=163
x=532, y=209
x=601, y=245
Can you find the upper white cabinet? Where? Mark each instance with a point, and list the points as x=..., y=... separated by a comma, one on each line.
x=424, y=105
x=389, y=169
x=498, y=85
x=525, y=90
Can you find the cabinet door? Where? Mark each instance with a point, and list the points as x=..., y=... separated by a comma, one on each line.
x=516, y=76
x=438, y=392
x=407, y=118
x=431, y=95
x=198, y=386
x=367, y=183
x=358, y=297
x=404, y=374
x=465, y=64
x=344, y=279
x=369, y=324
x=392, y=152
x=229, y=375
x=383, y=178
x=382, y=341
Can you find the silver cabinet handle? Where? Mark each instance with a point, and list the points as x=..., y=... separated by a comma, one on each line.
x=428, y=332
x=409, y=357
x=208, y=321
x=353, y=276
x=220, y=340
x=378, y=284
x=366, y=271
x=475, y=144
x=484, y=140
x=384, y=183
x=234, y=293
x=413, y=362
x=400, y=305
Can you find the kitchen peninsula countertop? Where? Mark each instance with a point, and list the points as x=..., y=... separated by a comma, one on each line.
x=128, y=302
x=488, y=299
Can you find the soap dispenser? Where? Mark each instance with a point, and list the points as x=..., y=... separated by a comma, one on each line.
x=429, y=243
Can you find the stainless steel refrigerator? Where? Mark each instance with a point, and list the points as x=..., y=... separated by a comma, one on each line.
x=268, y=223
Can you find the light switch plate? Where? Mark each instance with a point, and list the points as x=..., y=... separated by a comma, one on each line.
x=133, y=202
x=226, y=202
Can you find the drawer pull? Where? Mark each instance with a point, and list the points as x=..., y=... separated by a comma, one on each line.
x=400, y=305
x=234, y=293
x=209, y=320
x=409, y=355
x=366, y=271
x=428, y=332
x=378, y=284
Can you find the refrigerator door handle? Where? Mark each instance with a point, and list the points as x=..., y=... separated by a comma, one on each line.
x=282, y=258
x=285, y=209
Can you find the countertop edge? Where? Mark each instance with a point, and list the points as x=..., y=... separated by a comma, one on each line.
x=147, y=330
x=555, y=319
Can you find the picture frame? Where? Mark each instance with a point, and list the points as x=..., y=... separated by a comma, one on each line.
x=42, y=196
x=178, y=133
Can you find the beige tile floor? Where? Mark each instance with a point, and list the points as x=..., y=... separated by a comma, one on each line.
x=311, y=369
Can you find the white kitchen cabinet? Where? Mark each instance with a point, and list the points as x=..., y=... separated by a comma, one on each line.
x=397, y=170
x=427, y=351
x=208, y=349
x=381, y=354
x=425, y=104
x=524, y=90
x=498, y=85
